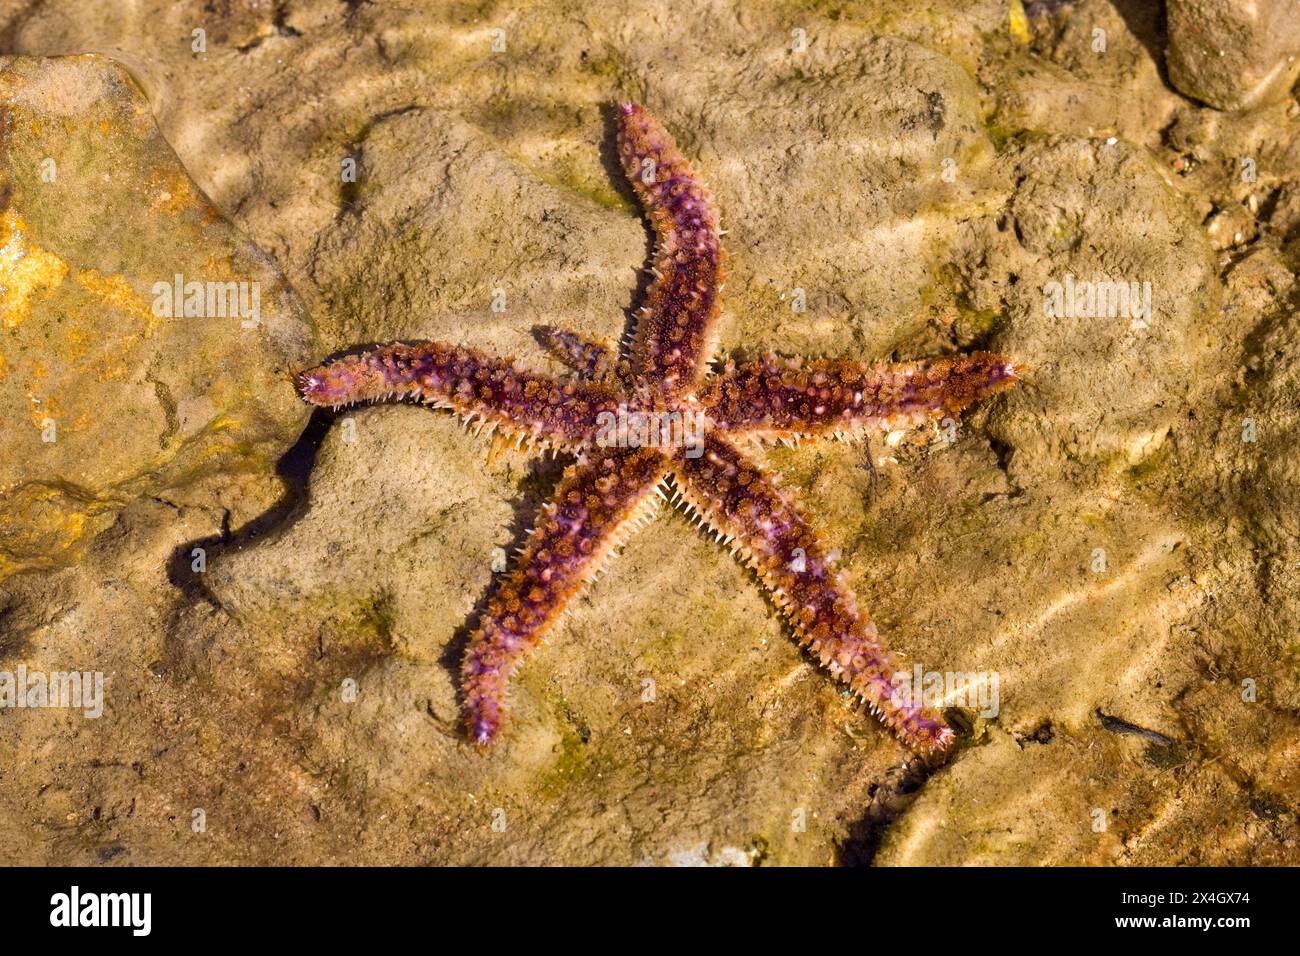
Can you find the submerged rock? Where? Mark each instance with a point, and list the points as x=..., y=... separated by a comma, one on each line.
x=144, y=344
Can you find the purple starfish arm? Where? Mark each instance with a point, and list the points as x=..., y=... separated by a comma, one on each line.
x=493, y=392
x=778, y=397
x=770, y=534
x=674, y=334
x=596, y=506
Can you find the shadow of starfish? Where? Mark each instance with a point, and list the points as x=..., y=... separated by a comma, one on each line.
x=653, y=422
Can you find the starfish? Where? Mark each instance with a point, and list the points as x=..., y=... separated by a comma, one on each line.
x=657, y=421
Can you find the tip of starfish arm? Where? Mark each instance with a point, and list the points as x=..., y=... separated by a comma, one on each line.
x=482, y=732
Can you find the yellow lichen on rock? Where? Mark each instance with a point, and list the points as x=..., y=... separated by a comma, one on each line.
x=26, y=270
x=44, y=526
x=116, y=291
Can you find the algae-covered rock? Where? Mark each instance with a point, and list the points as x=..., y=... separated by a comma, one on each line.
x=144, y=344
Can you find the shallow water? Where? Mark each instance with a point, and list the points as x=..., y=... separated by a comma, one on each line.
x=1111, y=540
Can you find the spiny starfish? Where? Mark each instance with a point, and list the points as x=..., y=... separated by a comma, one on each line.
x=664, y=375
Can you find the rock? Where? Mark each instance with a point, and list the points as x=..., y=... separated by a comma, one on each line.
x=1234, y=54
x=1113, y=798
x=1092, y=216
x=1259, y=466
x=145, y=345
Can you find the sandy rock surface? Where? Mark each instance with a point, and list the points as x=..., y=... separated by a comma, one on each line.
x=1114, y=540
x=1233, y=54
